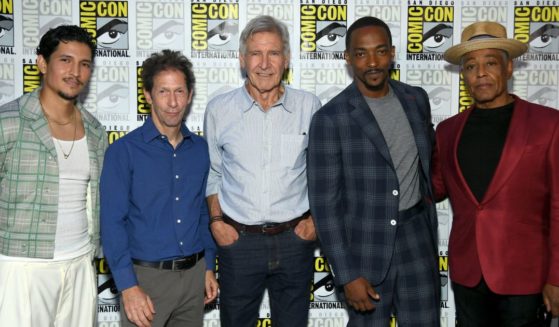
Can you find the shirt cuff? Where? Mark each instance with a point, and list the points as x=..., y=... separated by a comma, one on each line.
x=212, y=186
x=124, y=278
x=209, y=256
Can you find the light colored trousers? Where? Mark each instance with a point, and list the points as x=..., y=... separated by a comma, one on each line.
x=57, y=294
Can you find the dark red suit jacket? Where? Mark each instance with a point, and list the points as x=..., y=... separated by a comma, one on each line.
x=512, y=235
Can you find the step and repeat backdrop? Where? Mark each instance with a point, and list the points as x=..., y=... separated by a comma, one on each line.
x=207, y=31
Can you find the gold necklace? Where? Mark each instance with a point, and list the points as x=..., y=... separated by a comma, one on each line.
x=66, y=155
x=50, y=120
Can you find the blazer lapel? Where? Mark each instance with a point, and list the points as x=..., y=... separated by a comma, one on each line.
x=459, y=127
x=363, y=116
x=514, y=146
x=41, y=129
x=33, y=112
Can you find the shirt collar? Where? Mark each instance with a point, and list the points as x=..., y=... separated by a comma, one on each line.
x=32, y=110
x=150, y=132
x=248, y=102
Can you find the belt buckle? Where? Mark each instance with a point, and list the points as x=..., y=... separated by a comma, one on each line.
x=268, y=227
x=178, y=264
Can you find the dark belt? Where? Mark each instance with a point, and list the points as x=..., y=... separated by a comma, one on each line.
x=184, y=263
x=266, y=229
x=409, y=213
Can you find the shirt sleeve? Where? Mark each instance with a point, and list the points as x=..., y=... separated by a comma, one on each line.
x=210, y=133
x=100, y=153
x=3, y=148
x=553, y=275
x=437, y=181
x=206, y=236
x=115, y=189
x=8, y=132
x=325, y=181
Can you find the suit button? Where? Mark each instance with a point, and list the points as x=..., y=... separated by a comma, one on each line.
x=395, y=192
x=393, y=222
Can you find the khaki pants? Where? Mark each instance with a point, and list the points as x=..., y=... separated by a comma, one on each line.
x=37, y=294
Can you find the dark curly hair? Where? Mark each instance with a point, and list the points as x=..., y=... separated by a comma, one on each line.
x=166, y=60
x=64, y=33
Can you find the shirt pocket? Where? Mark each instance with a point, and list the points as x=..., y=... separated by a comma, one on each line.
x=293, y=150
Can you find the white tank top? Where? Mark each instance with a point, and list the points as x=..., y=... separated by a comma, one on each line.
x=72, y=239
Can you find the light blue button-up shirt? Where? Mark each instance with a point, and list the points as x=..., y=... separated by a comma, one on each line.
x=258, y=158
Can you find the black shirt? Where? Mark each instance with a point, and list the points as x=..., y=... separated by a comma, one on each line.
x=481, y=145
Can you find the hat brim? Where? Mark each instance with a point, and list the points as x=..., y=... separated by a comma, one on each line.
x=513, y=47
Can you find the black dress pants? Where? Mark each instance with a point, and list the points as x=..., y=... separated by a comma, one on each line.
x=480, y=307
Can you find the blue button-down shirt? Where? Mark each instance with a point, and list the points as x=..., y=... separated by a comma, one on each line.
x=258, y=158
x=153, y=204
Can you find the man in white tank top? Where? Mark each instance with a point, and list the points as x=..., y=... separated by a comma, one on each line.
x=51, y=152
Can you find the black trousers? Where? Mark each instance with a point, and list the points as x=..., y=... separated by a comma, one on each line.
x=480, y=307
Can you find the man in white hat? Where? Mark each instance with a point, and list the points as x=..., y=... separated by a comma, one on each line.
x=498, y=163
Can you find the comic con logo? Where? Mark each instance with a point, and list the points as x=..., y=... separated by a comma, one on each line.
x=395, y=72
x=108, y=95
x=538, y=26
x=6, y=26
x=473, y=11
x=537, y=83
x=107, y=23
x=159, y=25
x=7, y=90
x=323, y=289
x=325, y=80
x=389, y=12
x=142, y=106
x=443, y=217
x=31, y=76
x=264, y=322
x=215, y=29
x=437, y=82
x=41, y=15
x=465, y=100
x=323, y=31
x=443, y=273
x=212, y=79
x=430, y=31
x=115, y=134
x=106, y=288
x=279, y=9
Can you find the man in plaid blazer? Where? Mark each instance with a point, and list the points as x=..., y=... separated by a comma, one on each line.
x=51, y=156
x=369, y=159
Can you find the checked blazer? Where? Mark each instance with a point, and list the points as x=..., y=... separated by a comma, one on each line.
x=353, y=187
x=29, y=178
